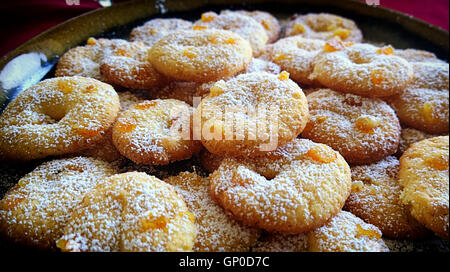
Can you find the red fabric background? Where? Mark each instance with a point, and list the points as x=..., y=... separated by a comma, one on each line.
x=21, y=20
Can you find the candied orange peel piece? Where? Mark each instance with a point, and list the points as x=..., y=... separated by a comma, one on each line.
x=372, y=234
x=366, y=124
x=282, y=57
x=65, y=86
x=126, y=125
x=91, y=41
x=342, y=33
x=188, y=53
x=122, y=52
x=266, y=24
x=230, y=41
x=357, y=186
x=283, y=76
x=377, y=76
x=297, y=95
x=87, y=132
x=318, y=154
x=439, y=162
x=151, y=222
x=145, y=105
x=90, y=88
x=208, y=17
x=199, y=27
x=427, y=111
x=336, y=45
x=215, y=91
x=298, y=29
x=386, y=50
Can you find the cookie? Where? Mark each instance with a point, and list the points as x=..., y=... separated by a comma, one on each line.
x=57, y=116
x=201, y=55
x=323, y=26
x=424, y=176
x=251, y=114
x=35, y=211
x=294, y=189
x=363, y=130
x=156, y=132
x=130, y=212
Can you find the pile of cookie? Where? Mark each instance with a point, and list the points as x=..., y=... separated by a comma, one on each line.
x=334, y=144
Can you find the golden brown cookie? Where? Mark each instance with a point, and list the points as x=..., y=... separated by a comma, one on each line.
x=57, y=116
x=361, y=69
x=251, y=114
x=294, y=189
x=35, y=211
x=363, y=130
x=156, y=132
x=200, y=55
x=130, y=212
x=424, y=177
x=424, y=103
x=323, y=26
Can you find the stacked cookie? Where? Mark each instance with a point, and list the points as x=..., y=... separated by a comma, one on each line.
x=287, y=171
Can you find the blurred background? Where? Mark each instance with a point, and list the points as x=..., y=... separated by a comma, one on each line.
x=23, y=19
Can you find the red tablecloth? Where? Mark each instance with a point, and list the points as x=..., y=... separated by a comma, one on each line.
x=21, y=20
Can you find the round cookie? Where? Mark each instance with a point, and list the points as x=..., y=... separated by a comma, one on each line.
x=130, y=212
x=216, y=230
x=243, y=25
x=361, y=69
x=295, y=55
x=363, y=130
x=156, y=132
x=375, y=198
x=200, y=55
x=424, y=177
x=424, y=103
x=323, y=26
x=152, y=31
x=294, y=189
x=267, y=20
x=251, y=114
x=57, y=116
x=346, y=233
x=35, y=211
x=127, y=65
